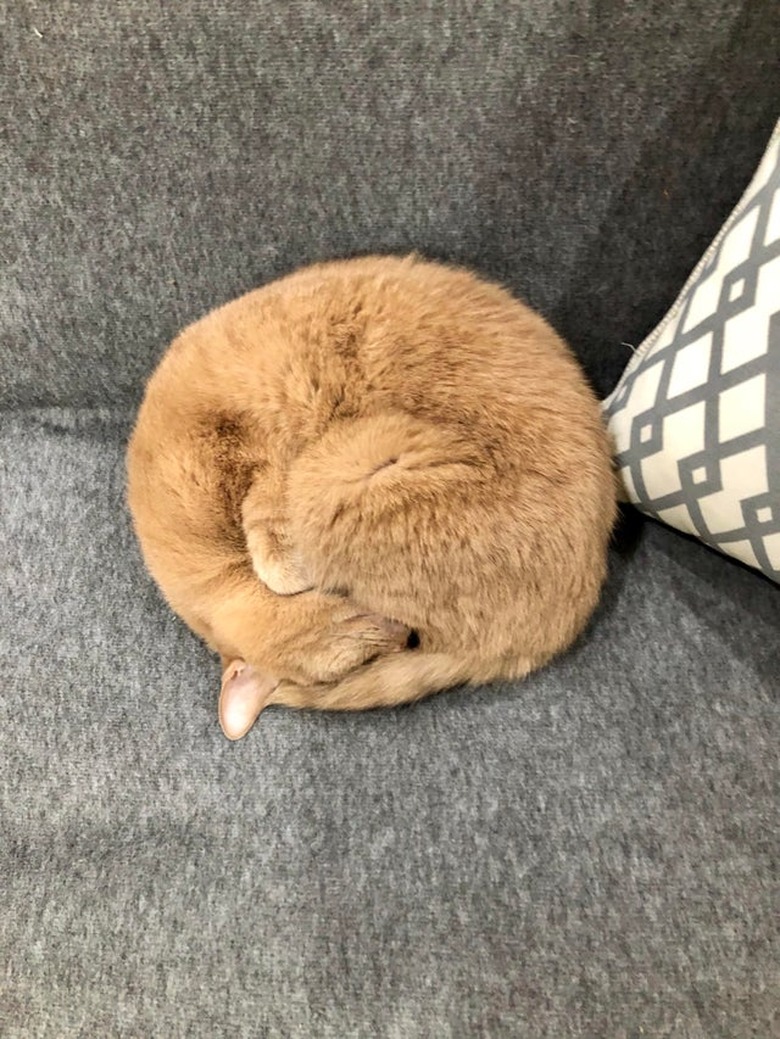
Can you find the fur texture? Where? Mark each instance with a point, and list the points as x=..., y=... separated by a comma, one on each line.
x=366, y=448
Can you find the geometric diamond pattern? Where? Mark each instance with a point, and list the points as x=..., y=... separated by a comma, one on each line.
x=695, y=418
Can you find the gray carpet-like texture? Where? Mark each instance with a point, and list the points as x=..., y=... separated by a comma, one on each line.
x=591, y=853
x=160, y=158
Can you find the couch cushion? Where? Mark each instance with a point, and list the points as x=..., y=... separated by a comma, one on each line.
x=161, y=158
x=589, y=853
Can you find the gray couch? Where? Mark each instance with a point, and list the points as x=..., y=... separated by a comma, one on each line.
x=591, y=853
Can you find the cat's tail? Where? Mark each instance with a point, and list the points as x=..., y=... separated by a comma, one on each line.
x=386, y=682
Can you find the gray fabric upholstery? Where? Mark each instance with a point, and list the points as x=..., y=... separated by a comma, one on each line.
x=591, y=853
x=587, y=854
x=161, y=158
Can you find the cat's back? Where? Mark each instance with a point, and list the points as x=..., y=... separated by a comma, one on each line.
x=377, y=334
x=372, y=310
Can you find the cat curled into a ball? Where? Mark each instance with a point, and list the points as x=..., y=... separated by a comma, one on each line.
x=369, y=481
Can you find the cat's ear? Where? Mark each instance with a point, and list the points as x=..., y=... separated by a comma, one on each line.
x=245, y=692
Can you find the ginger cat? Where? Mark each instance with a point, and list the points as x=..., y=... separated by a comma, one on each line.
x=360, y=451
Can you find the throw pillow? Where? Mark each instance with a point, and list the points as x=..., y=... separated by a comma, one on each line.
x=695, y=418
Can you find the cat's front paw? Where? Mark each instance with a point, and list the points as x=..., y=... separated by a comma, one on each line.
x=282, y=576
x=352, y=642
x=277, y=564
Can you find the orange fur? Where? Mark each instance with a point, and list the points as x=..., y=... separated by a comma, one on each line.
x=370, y=439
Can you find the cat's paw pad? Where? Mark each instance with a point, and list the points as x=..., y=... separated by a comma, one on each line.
x=354, y=641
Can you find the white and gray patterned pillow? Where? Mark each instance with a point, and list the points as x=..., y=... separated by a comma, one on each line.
x=695, y=418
